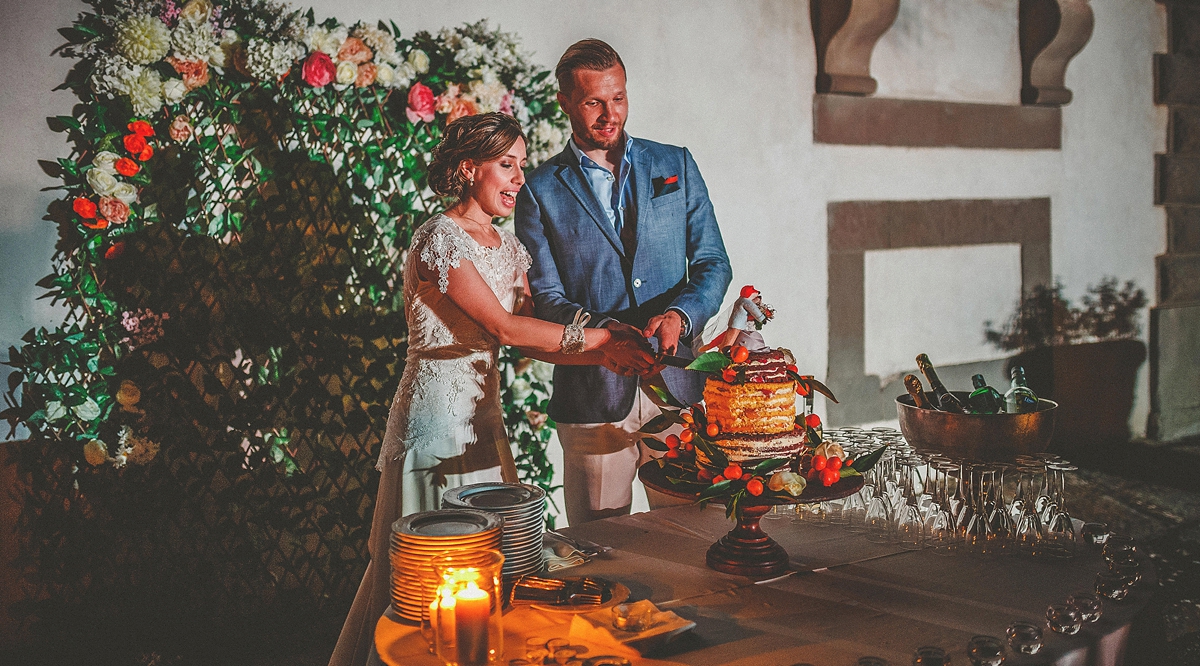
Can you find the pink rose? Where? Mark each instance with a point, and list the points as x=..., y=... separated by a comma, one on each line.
x=506, y=104
x=420, y=103
x=114, y=210
x=366, y=75
x=462, y=107
x=318, y=69
x=353, y=50
x=194, y=72
x=181, y=128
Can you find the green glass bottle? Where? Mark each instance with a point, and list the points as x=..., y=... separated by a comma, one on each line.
x=943, y=398
x=985, y=399
x=1020, y=399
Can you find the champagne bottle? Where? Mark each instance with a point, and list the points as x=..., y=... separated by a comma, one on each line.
x=1020, y=399
x=944, y=399
x=917, y=392
x=985, y=399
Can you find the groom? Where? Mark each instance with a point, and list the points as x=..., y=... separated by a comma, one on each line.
x=622, y=228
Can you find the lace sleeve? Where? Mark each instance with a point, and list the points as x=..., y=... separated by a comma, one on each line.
x=523, y=260
x=443, y=248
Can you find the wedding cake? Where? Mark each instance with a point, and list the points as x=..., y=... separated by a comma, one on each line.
x=753, y=406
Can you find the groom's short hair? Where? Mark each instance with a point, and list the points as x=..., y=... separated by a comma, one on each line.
x=592, y=54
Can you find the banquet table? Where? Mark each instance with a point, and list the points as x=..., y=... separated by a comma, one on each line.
x=845, y=598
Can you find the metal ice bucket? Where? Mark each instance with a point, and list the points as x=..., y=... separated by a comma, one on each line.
x=986, y=437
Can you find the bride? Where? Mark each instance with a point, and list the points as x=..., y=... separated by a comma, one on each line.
x=465, y=294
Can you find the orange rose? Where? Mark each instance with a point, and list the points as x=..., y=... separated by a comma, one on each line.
x=353, y=50
x=114, y=210
x=462, y=107
x=126, y=167
x=115, y=250
x=135, y=143
x=181, y=128
x=97, y=224
x=194, y=72
x=84, y=207
x=147, y=153
x=141, y=128
x=366, y=75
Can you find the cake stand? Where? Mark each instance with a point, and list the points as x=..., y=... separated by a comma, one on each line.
x=747, y=550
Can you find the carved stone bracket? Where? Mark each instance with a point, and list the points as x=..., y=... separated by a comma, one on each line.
x=1052, y=32
x=845, y=32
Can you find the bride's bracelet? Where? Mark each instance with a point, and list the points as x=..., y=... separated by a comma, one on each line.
x=573, y=341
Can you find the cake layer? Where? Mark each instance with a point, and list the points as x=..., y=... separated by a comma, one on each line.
x=762, y=408
x=765, y=366
x=743, y=448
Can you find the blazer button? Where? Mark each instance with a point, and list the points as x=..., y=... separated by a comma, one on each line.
x=637, y=282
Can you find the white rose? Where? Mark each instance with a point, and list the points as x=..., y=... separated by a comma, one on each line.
x=521, y=389
x=543, y=372
x=419, y=61
x=102, y=182
x=346, y=72
x=126, y=193
x=104, y=161
x=830, y=450
x=384, y=74
x=174, y=90
x=88, y=411
x=404, y=75
x=787, y=480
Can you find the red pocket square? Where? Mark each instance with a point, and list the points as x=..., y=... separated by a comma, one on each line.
x=671, y=180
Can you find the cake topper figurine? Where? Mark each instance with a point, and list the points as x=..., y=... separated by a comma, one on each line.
x=745, y=321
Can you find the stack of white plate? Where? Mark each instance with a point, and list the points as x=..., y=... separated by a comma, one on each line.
x=418, y=538
x=522, y=507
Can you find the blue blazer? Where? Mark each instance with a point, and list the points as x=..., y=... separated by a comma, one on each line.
x=579, y=261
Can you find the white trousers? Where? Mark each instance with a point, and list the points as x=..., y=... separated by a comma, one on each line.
x=600, y=461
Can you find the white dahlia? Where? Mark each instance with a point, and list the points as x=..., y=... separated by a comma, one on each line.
x=143, y=39
x=488, y=95
x=268, y=62
x=325, y=40
x=145, y=92
x=112, y=74
x=193, y=40
x=174, y=90
x=380, y=41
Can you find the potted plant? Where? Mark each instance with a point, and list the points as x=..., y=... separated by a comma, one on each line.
x=1085, y=358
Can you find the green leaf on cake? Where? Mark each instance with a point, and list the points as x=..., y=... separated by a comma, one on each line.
x=659, y=394
x=813, y=437
x=654, y=444
x=716, y=456
x=769, y=465
x=813, y=385
x=868, y=461
x=712, y=361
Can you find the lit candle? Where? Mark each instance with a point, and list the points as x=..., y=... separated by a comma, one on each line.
x=472, y=609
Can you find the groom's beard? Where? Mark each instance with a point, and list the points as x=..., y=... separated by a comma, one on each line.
x=596, y=140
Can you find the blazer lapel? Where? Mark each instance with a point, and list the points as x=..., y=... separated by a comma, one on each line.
x=571, y=175
x=643, y=169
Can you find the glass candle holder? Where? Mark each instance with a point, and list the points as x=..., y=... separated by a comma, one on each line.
x=930, y=655
x=985, y=651
x=1127, y=566
x=1118, y=546
x=1024, y=637
x=466, y=612
x=1089, y=605
x=632, y=617
x=1094, y=534
x=1063, y=619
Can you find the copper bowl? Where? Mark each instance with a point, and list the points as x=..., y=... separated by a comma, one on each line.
x=986, y=437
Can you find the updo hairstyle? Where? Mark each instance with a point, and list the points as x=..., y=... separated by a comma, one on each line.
x=480, y=138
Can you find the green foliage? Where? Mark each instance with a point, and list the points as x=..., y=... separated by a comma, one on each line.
x=245, y=313
x=1045, y=318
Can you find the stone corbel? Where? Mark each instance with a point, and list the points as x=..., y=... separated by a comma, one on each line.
x=1052, y=32
x=845, y=32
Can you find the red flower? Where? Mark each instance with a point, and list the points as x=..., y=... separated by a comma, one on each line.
x=812, y=421
x=318, y=70
x=135, y=143
x=98, y=224
x=115, y=250
x=146, y=153
x=421, y=103
x=84, y=207
x=141, y=128
x=126, y=167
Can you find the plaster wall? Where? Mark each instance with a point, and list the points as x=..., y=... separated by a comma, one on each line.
x=733, y=81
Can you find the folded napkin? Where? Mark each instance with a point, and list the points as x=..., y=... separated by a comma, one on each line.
x=561, y=555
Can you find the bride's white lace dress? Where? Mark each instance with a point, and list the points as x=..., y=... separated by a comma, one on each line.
x=446, y=426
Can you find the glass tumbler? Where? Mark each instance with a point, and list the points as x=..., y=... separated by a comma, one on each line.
x=930, y=655
x=1089, y=605
x=1063, y=619
x=1129, y=567
x=1024, y=637
x=985, y=651
x=1112, y=585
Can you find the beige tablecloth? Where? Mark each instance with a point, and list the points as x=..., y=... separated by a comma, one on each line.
x=848, y=598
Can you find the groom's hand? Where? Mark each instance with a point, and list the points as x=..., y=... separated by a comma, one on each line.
x=666, y=327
